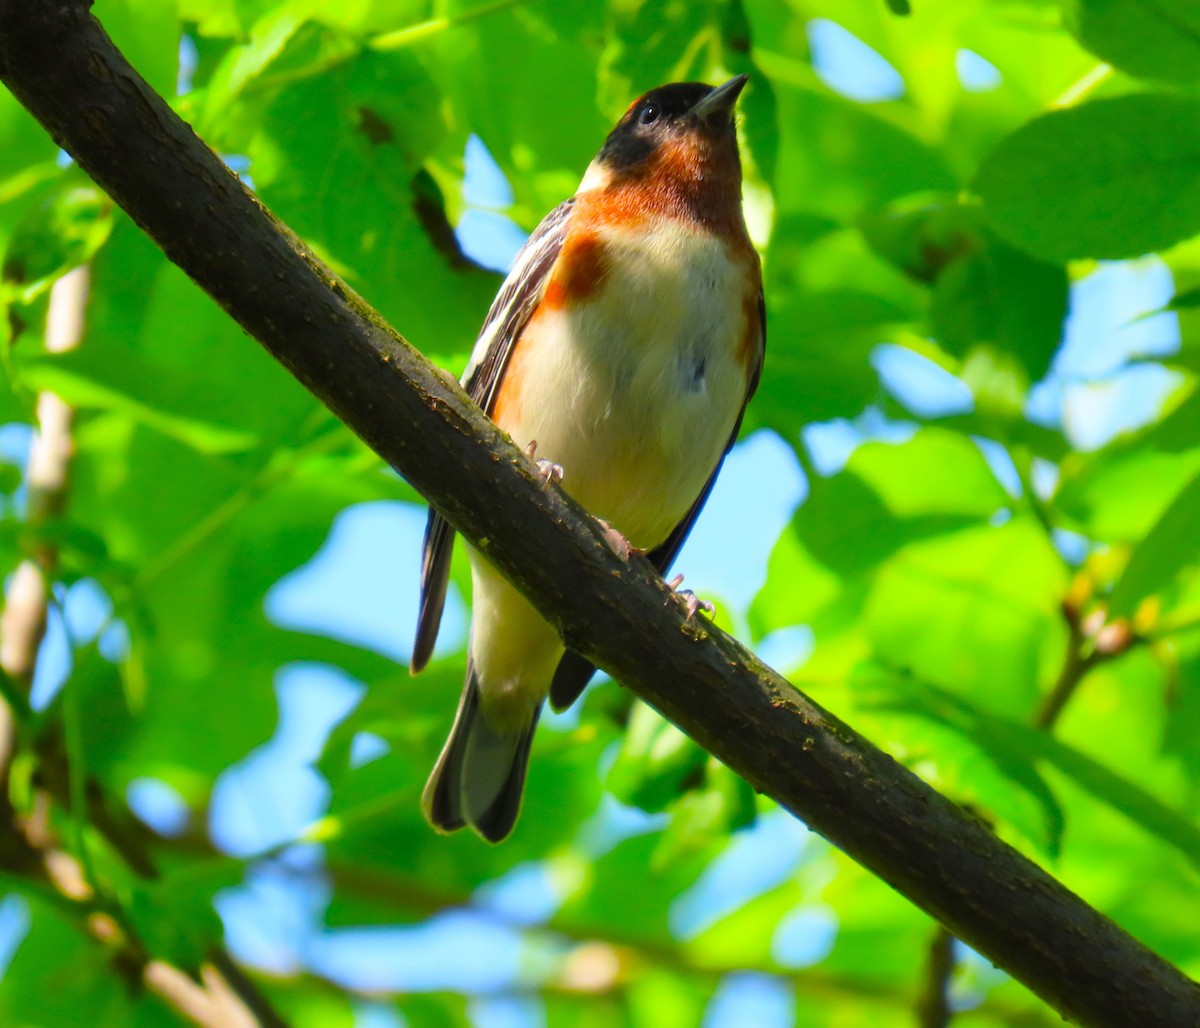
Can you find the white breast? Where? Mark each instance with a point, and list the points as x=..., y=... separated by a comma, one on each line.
x=635, y=390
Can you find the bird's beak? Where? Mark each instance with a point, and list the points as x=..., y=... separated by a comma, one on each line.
x=721, y=99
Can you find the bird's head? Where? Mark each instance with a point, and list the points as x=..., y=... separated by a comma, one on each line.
x=683, y=132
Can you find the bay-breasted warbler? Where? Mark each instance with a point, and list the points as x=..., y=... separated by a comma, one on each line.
x=624, y=345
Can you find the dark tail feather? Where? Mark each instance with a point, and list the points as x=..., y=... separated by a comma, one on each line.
x=570, y=679
x=496, y=821
x=480, y=776
x=435, y=577
x=442, y=799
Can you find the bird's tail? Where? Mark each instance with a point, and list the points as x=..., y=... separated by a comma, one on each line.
x=480, y=775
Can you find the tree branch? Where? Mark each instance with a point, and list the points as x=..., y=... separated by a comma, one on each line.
x=609, y=606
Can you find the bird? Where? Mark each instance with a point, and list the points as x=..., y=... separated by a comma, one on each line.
x=622, y=349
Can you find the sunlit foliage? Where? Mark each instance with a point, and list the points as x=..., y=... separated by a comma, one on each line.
x=982, y=278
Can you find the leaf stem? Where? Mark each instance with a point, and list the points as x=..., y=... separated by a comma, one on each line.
x=276, y=469
x=1022, y=460
x=415, y=33
x=1080, y=89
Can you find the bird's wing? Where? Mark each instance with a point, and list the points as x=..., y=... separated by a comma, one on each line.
x=513, y=305
x=506, y=319
x=574, y=672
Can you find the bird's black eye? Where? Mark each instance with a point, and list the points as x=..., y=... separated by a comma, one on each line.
x=649, y=114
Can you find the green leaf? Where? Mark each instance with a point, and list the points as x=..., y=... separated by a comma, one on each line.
x=888, y=497
x=28, y=158
x=606, y=901
x=1169, y=548
x=1110, y=179
x=147, y=33
x=1185, y=300
x=59, y=959
x=999, y=295
x=91, y=379
x=1180, y=739
x=1033, y=809
x=1153, y=39
x=973, y=611
x=438, y=1010
x=921, y=234
x=817, y=361
x=528, y=53
x=703, y=816
x=656, y=762
x=1136, y=803
x=875, y=928
x=1017, y=747
x=984, y=291
x=63, y=230
x=935, y=483
x=174, y=914
x=311, y=1004
x=1179, y=429
x=152, y=331
x=376, y=126
x=747, y=933
x=242, y=65
x=667, y=1000
x=1119, y=496
x=837, y=158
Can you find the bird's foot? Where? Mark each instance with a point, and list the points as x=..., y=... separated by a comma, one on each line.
x=691, y=601
x=549, y=471
x=620, y=545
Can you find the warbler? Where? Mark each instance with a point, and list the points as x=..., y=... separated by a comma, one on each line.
x=623, y=346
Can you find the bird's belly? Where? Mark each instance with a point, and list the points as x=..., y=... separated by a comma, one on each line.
x=636, y=390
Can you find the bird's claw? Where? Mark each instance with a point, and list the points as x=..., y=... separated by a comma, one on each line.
x=691, y=601
x=549, y=471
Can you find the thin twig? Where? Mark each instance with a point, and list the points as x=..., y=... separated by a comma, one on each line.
x=23, y=621
x=933, y=1005
x=1075, y=667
